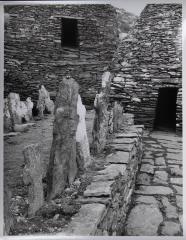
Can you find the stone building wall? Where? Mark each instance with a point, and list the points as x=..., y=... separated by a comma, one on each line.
x=33, y=51
x=149, y=58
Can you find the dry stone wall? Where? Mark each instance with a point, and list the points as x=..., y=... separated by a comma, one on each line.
x=149, y=58
x=34, y=55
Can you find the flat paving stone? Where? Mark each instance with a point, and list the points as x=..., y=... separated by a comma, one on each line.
x=153, y=190
x=143, y=179
x=169, y=209
x=160, y=161
x=147, y=200
x=170, y=229
x=140, y=221
x=85, y=222
x=96, y=189
x=176, y=181
x=118, y=157
x=147, y=168
x=179, y=201
x=161, y=177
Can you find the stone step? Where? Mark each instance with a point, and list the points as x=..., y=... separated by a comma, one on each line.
x=97, y=189
x=118, y=157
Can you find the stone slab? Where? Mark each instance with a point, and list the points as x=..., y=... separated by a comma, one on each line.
x=177, y=181
x=170, y=229
x=147, y=168
x=122, y=147
x=110, y=172
x=118, y=157
x=153, y=190
x=179, y=190
x=160, y=161
x=85, y=222
x=96, y=189
x=124, y=141
x=179, y=201
x=147, y=200
x=126, y=135
x=170, y=210
x=143, y=179
x=140, y=221
x=161, y=177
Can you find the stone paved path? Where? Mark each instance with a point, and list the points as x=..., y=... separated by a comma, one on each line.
x=157, y=208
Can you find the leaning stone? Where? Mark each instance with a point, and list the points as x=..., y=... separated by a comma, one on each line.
x=170, y=229
x=32, y=176
x=81, y=135
x=62, y=168
x=140, y=221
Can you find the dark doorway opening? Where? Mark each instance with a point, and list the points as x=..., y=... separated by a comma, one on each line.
x=166, y=109
x=69, y=32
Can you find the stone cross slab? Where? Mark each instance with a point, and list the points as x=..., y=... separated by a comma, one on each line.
x=32, y=175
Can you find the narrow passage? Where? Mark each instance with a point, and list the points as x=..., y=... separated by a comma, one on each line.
x=157, y=201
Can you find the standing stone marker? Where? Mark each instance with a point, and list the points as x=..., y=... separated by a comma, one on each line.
x=117, y=116
x=44, y=101
x=8, y=218
x=101, y=120
x=62, y=164
x=83, y=150
x=32, y=175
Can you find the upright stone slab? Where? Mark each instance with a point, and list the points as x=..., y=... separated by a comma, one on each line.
x=117, y=116
x=62, y=167
x=101, y=120
x=32, y=176
x=44, y=101
x=83, y=150
x=8, y=218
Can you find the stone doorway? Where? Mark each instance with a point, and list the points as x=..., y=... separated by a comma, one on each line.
x=166, y=109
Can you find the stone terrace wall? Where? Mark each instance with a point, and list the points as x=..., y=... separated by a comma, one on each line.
x=33, y=52
x=108, y=198
x=149, y=58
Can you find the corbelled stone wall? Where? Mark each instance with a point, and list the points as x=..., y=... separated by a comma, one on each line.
x=149, y=58
x=34, y=55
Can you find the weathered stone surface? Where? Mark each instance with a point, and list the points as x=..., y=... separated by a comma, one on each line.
x=85, y=222
x=140, y=221
x=118, y=157
x=16, y=111
x=143, y=179
x=44, y=102
x=8, y=218
x=170, y=229
x=32, y=176
x=147, y=200
x=169, y=209
x=177, y=156
x=117, y=116
x=110, y=172
x=161, y=177
x=122, y=147
x=81, y=135
x=176, y=170
x=62, y=167
x=179, y=190
x=148, y=160
x=124, y=140
x=96, y=189
x=101, y=120
x=153, y=190
x=160, y=161
x=177, y=181
x=179, y=201
x=147, y=168
x=126, y=135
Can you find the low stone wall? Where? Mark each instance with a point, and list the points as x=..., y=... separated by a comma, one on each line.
x=107, y=199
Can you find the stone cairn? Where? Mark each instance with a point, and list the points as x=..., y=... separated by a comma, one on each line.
x=62, y=167
x=44, y=102
x=101, y=120
x=32, y=175
x=16, y=112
